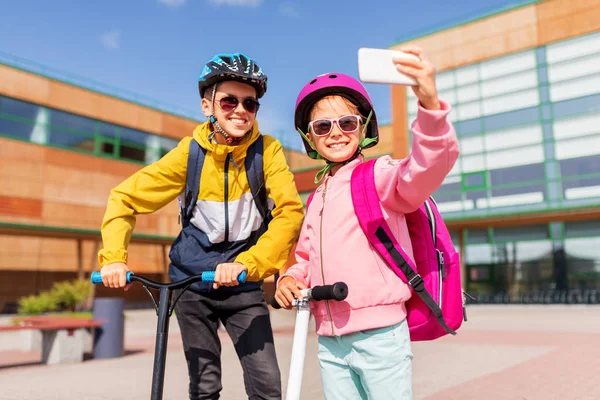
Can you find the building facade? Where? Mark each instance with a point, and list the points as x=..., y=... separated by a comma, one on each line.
x=62, y=148
x=523, y=200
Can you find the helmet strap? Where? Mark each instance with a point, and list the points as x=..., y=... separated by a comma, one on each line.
x=213, y=120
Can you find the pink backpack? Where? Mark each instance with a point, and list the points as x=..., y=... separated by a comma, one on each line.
x=438, y=309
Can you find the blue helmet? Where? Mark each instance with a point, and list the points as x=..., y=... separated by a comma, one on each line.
x=236, y=66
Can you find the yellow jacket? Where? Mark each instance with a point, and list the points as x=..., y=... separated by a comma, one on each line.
x=157, y=184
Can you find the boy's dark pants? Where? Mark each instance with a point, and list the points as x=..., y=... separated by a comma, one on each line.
x=245, y=316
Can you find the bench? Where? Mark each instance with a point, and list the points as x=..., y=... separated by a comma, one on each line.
x=62, y=338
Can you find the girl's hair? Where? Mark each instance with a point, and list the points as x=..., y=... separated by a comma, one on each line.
x=351, y=106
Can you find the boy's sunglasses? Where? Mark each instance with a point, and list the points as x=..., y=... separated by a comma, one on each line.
x=347, y=124
x=230, y=103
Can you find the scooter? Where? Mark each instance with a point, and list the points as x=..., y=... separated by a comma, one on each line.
x=164, y=310
x=338, y=291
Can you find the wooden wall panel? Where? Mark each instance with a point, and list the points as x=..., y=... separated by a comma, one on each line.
x=562, y=19
x=20, y=206
x=489, y=37
x=19, y=253
x=178, y=128
x=23, y=85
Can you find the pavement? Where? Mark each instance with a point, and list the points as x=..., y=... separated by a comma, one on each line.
x=504, y=352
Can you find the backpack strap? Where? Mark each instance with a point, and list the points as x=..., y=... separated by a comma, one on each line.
x=370, y=217
x=256, y=176
x=192, y=181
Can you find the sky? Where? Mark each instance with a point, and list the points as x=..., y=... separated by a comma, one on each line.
x=157, y=48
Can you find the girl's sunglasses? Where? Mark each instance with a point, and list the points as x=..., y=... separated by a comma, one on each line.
x=230, y=103
x=347, y=124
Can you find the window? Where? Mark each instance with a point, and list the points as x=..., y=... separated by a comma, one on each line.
x=512, y=118
x=71, y=122
x=474, y=181
x=37, y=124
x=523, y=173
x=508, y=65
x=576, y=106
x=573, y=48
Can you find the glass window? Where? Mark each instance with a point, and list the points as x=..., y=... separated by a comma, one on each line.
x=478, y=253
x=471, y=145
x=582, y=228
x=515, y=157
x=107, y=130
x=528, y=197
x=528, y=232
x=16, y=128
x=536, y=191
x=132, y=144
x=476, y=236
x=508, y=65
x=579, y=87
x=513, y=137
x=469, y=127
x=580, y=166
x=575, y=148
x=63, y=138
x=512, y=118
x=469, y=110
x=473, y=163
x=581, y=125
x=468, y=93
x=476, y=195
x=443, y=80
x=522, y=173
x=511, y=101
x=583, y=258
x=476, y=180
x=466, y=75
x=574, y=68
x=445, y=197
x=581, y=188
x=17, y=108
x=581, y=105
x=71, y=122
x=448, y=95
x=573, y=48
x=509, y=84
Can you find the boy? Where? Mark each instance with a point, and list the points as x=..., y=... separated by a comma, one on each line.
x=226, y=229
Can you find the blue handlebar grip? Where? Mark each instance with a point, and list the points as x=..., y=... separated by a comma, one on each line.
x=97, y=277
x=209, y=276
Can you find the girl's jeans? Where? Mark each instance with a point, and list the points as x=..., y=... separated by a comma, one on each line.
x=372, y=364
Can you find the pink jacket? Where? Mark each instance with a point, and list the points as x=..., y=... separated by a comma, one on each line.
x=332, y=247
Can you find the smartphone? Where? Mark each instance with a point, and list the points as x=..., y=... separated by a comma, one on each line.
x=376, y=66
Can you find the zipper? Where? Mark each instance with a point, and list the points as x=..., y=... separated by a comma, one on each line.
x=442, y=274
x=226, y=197
x=440, y=255
x=321, y=256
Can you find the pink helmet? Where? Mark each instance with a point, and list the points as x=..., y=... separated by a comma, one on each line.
x=333, y=84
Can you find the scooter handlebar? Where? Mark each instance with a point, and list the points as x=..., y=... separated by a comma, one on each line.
x=338, y=291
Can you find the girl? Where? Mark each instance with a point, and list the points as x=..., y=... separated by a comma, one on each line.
x=364, y=342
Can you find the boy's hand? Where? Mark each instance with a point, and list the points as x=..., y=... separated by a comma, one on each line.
x=226, y=274
x=288, y=289
x=114, y=275
x=423, y=72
